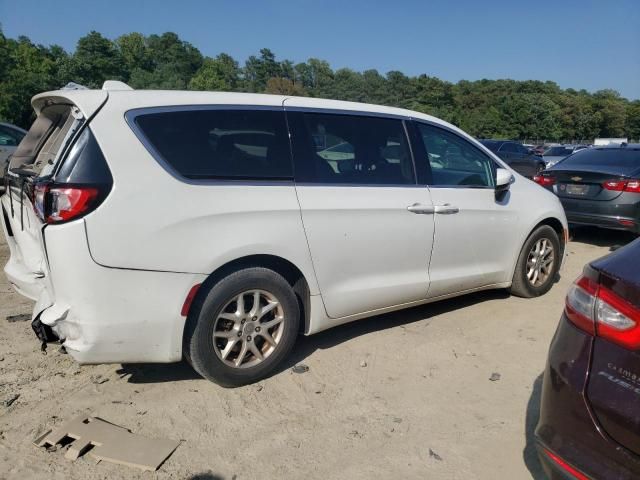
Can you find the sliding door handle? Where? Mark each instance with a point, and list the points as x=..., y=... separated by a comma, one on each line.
x=421, y=209
x=445, y=209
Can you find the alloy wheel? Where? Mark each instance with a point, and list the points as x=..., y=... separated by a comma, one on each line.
x=248, y=328
x=540, y=262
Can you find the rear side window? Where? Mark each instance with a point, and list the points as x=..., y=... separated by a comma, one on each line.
x=350, y=149
x=220, y=144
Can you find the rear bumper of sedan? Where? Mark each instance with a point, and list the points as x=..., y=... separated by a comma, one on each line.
x=569, y=441
x=619, y=214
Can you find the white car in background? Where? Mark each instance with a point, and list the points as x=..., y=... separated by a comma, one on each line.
x=152, y=228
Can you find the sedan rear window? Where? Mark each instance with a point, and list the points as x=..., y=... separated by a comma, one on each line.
x=607, y=157
x=219, y=144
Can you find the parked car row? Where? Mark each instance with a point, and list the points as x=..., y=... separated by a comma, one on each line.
x=282, y=215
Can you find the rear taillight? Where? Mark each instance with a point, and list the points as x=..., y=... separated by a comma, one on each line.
x=565, y=466
x=580, y=304
x=622, y=185
x=62, y=203
x=599, y=311
x=544, y=180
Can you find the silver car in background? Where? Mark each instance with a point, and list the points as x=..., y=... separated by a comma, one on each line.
x=554, y=154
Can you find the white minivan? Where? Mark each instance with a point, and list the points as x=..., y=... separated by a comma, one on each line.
x=149, y=226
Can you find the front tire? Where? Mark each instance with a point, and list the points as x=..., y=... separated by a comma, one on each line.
x=242, y=327
x=538, y=263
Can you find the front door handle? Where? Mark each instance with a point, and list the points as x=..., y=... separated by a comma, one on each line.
x=445, y=209
x=421, y=209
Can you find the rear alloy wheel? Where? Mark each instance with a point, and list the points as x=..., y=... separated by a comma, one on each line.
x=538, y=263
x=240, y=328
x=248, y=329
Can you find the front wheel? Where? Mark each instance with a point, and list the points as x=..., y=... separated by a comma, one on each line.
x=242, y=327
x=538, y=263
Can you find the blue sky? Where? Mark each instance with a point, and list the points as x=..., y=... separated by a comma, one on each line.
x=580, y=44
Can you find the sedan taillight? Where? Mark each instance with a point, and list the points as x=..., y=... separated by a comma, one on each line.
x=62, y=203
x=622, y=185
x=544, y=180
x=599, y=311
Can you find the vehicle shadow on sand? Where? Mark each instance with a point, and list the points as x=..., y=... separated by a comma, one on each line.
x=423, y=313
x=305, y=346
x=529, y=454
x=600, y=237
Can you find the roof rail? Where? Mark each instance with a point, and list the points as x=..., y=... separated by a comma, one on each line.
x=115, y=85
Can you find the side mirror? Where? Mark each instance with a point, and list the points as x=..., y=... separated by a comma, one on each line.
x=504, y=179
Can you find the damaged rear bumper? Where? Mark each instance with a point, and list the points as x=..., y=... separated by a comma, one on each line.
x=107, y=315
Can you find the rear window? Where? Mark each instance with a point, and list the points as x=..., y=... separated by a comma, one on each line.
x=220, y=144
x=608, y=157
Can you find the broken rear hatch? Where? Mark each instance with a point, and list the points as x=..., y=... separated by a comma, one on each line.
x=60, y=118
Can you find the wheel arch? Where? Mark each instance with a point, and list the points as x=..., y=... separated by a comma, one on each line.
x=291, y=273
x=558, y=227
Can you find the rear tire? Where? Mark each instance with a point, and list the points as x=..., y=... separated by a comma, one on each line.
x=242, y=327
x=538, y=264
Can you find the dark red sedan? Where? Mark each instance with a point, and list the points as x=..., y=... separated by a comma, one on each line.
x=589, y=424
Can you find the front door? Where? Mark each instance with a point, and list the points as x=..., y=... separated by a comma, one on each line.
x=470, y=225
x=368, y=225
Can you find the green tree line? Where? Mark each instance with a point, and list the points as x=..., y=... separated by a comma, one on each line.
x=485, y=108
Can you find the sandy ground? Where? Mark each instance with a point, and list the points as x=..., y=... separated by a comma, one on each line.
x=422, y=407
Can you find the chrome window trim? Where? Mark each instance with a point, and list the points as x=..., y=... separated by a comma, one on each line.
x=131, y=115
